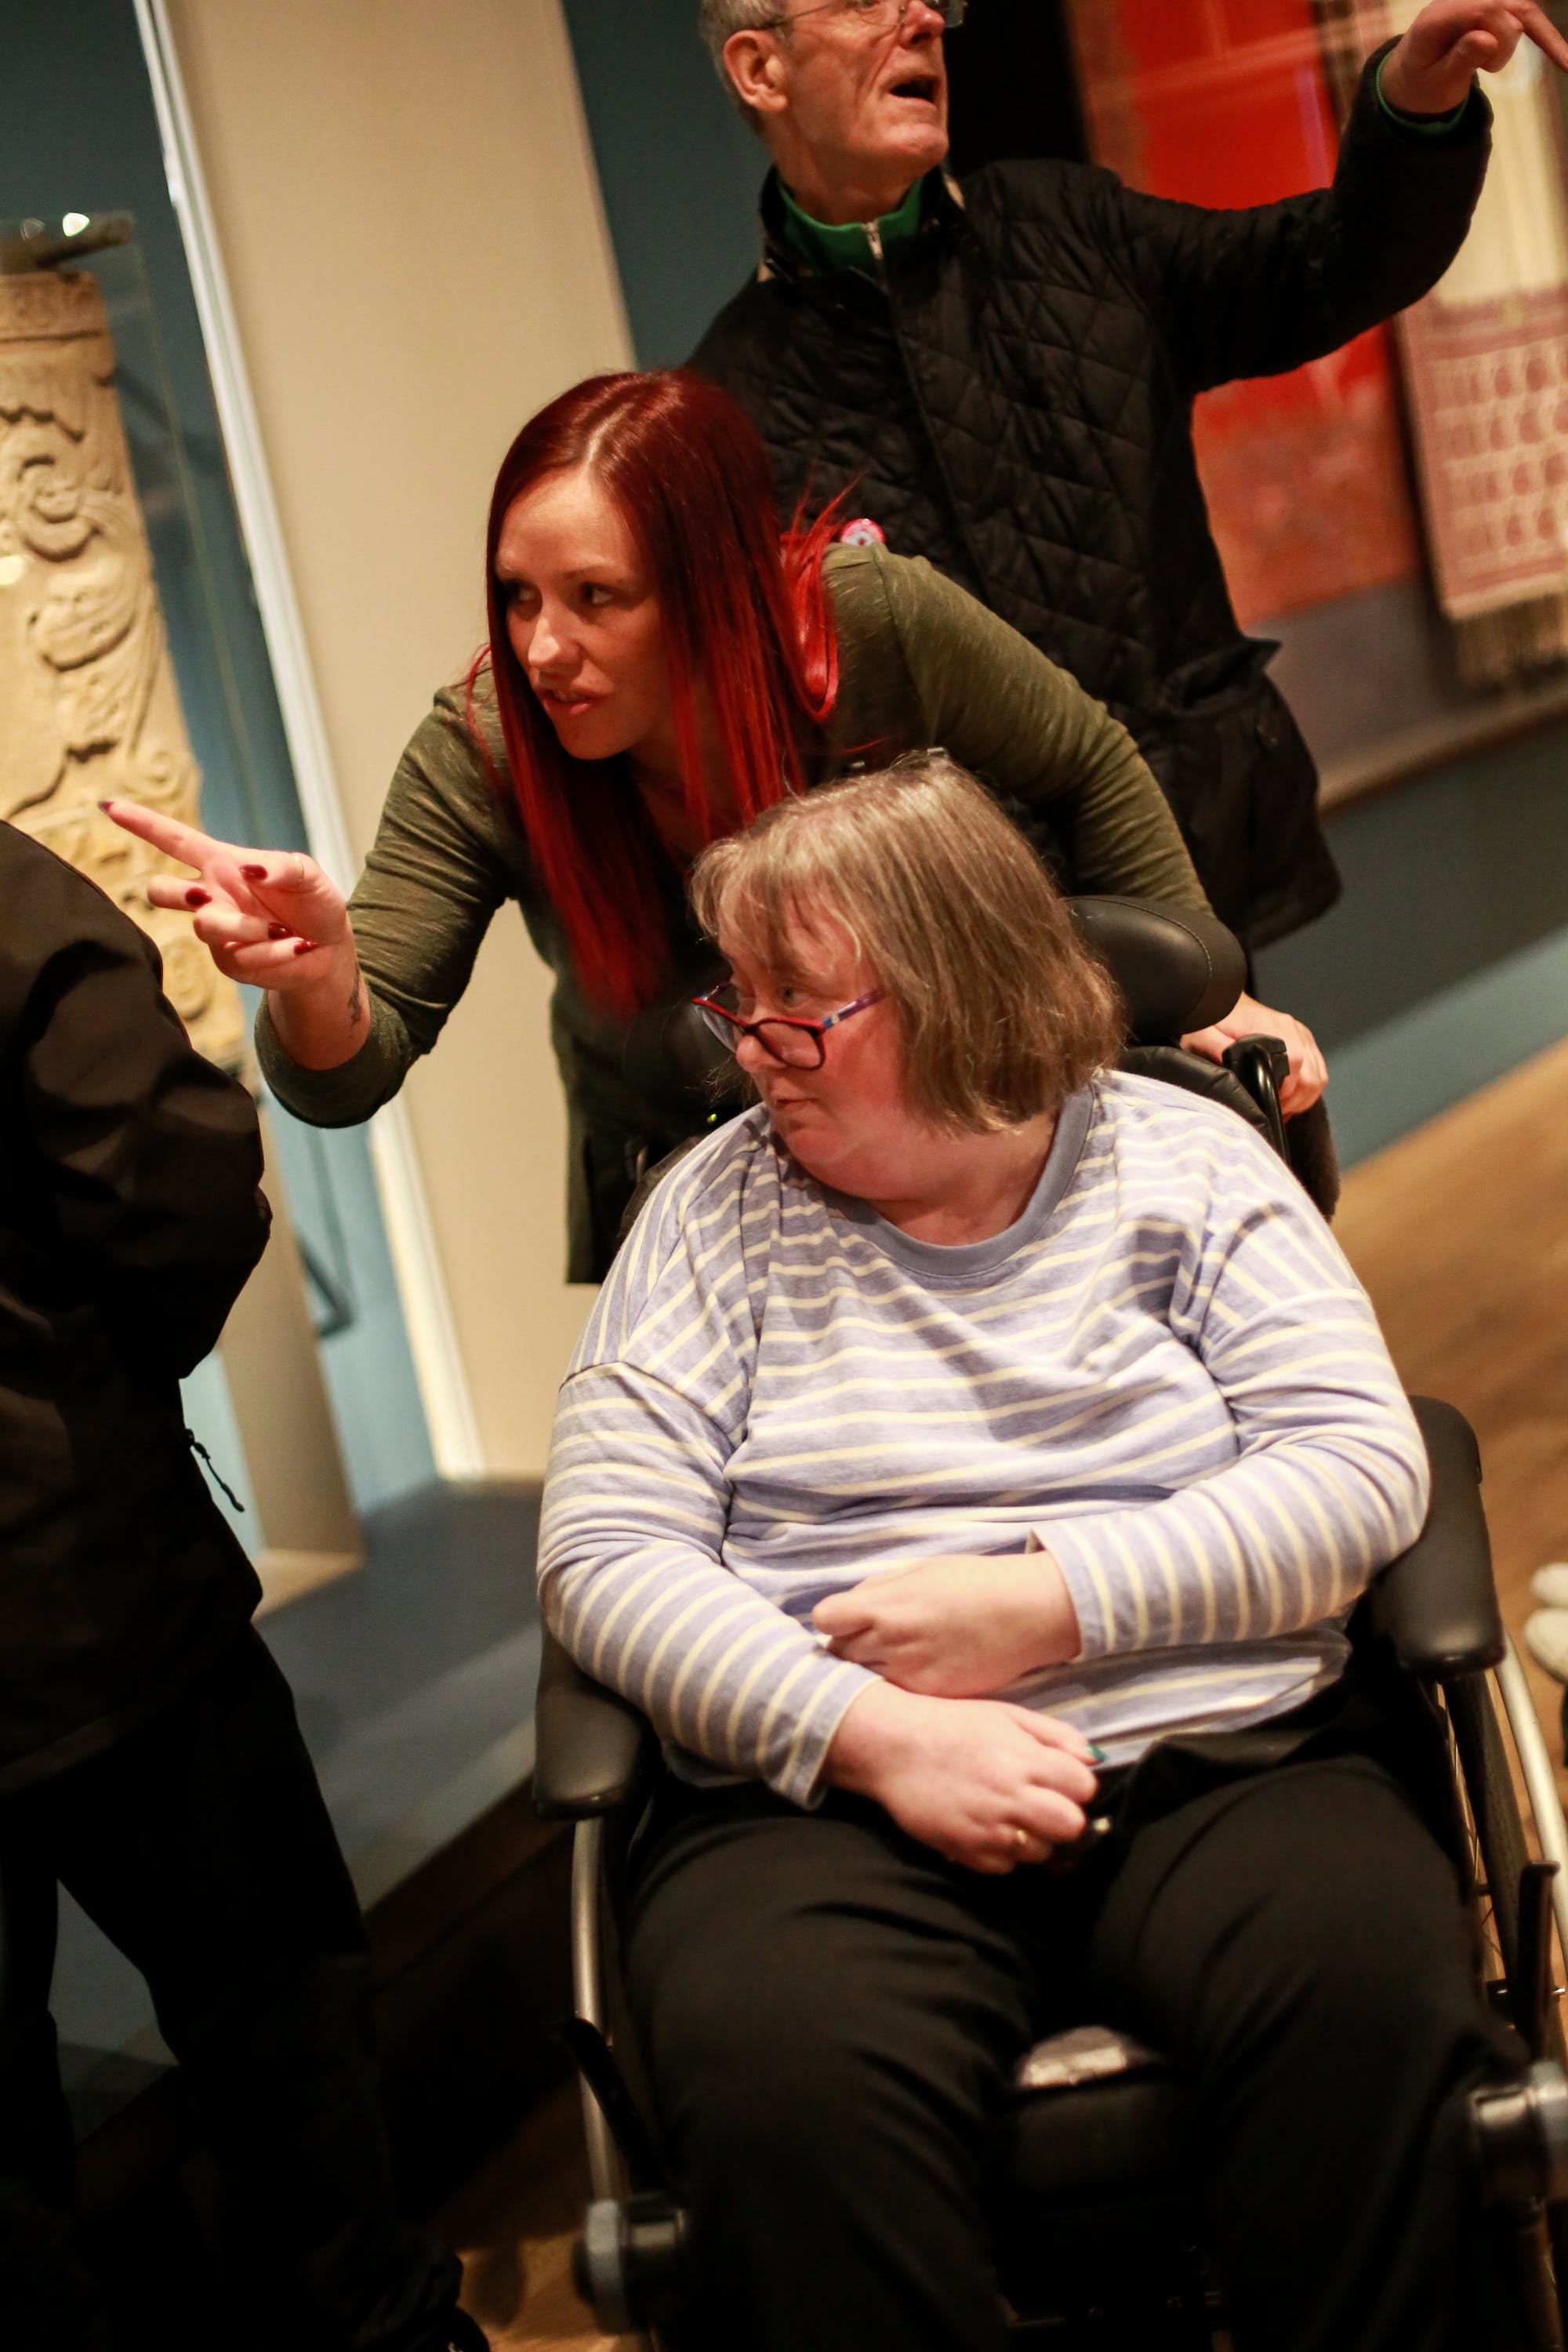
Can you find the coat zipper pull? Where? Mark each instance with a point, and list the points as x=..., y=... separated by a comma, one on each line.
x=874, y=239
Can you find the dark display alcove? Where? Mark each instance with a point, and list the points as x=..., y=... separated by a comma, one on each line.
x=1013, y=87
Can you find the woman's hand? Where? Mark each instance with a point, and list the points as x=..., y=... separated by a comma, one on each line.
x=956, y=1627
x=985, y=1784
x=262, y=913
x=269, y=917
x=1247, y=1018
x=1431, y=68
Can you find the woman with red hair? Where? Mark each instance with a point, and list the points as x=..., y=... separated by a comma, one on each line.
x=663, y=664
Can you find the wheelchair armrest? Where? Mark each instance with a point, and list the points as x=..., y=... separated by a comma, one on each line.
x=594, y=1752
x=1437, y=1602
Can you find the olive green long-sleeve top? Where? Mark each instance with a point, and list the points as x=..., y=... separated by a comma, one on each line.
x=921, y=664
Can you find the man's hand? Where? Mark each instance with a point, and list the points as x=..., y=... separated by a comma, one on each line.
x=1247, y=1018
x=956, y=1627
x=1431, y=70
x=966, y=1776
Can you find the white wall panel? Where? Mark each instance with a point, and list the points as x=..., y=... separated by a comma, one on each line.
x=411, y=229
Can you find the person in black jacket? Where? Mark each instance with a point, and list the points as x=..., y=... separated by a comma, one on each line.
x=1003, y=369
x=149, y=1759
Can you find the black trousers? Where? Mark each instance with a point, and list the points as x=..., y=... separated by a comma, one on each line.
x=202, y=1849
x=830, y=2014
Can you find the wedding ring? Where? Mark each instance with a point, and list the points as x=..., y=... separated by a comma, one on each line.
x=1021, y=1837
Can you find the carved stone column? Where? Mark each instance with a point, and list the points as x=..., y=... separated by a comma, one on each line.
x=90, y=711
x=87, y=688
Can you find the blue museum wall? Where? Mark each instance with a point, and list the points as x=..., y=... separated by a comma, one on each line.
x=679, y=169
x=1446, y=963
x=101, y=153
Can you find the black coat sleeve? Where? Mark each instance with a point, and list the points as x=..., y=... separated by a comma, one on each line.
x=145, y=1161
x=1262, y=289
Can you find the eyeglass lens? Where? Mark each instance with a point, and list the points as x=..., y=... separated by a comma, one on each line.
x=801, y=1049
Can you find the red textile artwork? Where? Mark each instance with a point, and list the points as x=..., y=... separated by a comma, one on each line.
x=1226, y=102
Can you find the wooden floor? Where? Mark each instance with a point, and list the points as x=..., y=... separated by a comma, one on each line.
x=513, y=2225
x=1460, y=1233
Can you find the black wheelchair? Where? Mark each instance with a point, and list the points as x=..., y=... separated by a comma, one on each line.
x=1101, y=2243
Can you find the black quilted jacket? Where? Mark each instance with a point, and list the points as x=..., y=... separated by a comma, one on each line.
x=1014, y=401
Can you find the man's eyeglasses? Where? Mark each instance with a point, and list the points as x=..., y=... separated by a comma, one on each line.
x=876, y=15
x=799, y=1044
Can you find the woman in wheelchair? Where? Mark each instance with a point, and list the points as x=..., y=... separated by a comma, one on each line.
x=969, y=1467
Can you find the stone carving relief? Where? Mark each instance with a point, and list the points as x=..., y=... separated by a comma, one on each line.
x=90, y=709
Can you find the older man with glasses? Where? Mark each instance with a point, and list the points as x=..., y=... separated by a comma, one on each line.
x=1000, y=372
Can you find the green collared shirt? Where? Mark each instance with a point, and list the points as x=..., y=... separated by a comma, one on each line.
x=828, y=247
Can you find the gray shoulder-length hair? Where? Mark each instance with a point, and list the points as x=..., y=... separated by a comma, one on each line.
x=1004, y=1010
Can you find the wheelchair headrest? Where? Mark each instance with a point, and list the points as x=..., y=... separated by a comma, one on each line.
x=1176, y=971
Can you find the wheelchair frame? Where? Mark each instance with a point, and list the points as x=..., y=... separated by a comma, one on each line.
x=1436, y=1604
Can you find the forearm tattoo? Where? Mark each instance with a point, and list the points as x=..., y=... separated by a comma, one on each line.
x=356, y=999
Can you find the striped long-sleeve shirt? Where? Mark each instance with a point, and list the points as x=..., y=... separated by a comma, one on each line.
x=1164, y=1372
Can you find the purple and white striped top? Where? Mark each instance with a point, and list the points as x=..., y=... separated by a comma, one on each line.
x=1164, y=1372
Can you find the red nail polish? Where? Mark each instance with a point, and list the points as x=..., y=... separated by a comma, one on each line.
x=279, y=932
x=105, y=806
x=195, y=898
x=304, y=947
x=254, y=873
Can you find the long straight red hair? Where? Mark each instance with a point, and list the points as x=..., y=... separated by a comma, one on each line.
x=744, y=615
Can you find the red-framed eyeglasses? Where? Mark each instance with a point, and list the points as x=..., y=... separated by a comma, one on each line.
x=799, y=1044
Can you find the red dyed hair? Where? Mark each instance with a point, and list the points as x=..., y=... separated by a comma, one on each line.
x=744, y=614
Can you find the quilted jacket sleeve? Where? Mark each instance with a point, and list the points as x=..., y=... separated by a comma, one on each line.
x=1260, y=290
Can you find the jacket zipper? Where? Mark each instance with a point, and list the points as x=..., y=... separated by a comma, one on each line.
x=874, y=239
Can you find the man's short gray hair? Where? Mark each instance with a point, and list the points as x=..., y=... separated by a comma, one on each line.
x=716, y=19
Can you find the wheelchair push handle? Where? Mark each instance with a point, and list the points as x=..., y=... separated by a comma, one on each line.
x=1262, y=1066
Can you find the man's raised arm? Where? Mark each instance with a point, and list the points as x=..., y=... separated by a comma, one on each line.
x=1263, y=289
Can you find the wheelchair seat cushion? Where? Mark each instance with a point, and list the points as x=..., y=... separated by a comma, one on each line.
x=1086, y=2053
x=1099, y=2114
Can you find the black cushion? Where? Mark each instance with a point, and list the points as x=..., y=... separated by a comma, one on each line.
x=1104, y=2201
x=1177, y=971
x=594, y=1751
x=1437, y=1602
x=1197, y=1076
x=1132, y=2132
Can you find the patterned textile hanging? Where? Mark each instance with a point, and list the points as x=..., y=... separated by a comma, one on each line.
x=1486, y=371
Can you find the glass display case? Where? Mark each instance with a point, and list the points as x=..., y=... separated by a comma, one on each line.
x=133, y=662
